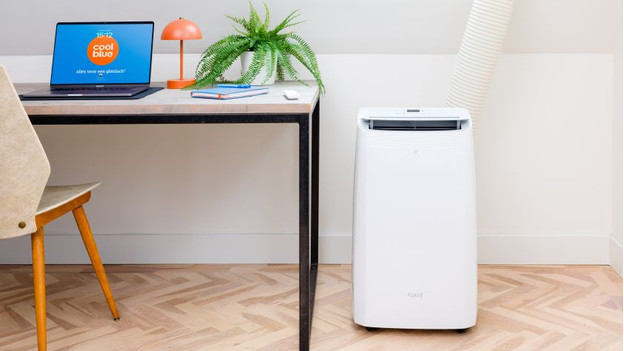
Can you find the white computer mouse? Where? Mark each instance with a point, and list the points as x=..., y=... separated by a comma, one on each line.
x=291, y=94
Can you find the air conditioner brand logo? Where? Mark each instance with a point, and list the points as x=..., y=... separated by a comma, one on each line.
x=416, y=295
x=102, y=50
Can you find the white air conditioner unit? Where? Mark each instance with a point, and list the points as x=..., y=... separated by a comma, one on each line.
x=414, y=226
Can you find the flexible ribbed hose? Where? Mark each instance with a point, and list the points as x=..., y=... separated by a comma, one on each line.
x=478, y=54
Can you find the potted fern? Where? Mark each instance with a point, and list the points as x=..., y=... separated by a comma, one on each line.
x=265, y=53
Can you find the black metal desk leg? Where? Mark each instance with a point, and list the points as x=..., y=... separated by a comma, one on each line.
x=316, y=132
x=308, y=221
x=305, y=317
x=314, y=223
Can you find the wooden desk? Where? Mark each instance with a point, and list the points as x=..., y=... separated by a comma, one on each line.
x=175, y=106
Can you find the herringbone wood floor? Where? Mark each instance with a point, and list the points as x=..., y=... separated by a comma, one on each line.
x=243, y=307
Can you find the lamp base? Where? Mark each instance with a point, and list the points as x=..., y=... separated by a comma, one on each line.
x=179, y=83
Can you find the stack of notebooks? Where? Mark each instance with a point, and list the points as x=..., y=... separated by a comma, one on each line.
x=226, y=93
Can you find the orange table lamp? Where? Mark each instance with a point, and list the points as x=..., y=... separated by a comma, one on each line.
x=181, y=29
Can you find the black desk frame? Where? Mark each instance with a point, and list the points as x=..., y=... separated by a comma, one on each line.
x=308, y=183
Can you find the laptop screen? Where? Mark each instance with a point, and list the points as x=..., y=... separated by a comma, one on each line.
x=102, y=53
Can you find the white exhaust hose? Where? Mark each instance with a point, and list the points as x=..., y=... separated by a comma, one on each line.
x=476, y=61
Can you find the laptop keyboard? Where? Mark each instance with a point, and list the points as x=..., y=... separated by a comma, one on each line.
x=99, y=89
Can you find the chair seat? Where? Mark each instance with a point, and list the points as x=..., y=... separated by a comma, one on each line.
x=55, y=196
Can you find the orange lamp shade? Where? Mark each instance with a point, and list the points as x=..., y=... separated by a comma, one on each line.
x=180, y=29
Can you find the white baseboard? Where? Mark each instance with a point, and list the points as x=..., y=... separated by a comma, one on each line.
x=546, y=249
x=615, y=256
x=282, y=248
x=177, y=248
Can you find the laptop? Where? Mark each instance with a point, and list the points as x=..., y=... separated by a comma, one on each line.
x=100, y=59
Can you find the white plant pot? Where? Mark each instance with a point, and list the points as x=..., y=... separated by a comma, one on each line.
x=246, y=59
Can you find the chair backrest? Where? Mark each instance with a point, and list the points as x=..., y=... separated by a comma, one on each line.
x=24, y=167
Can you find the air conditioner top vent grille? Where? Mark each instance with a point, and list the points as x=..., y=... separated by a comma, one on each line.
x=376, y=113
x=414, y=125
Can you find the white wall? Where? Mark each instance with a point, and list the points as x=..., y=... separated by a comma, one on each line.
x=545, y=150
x=333, y=27
x=615, y=245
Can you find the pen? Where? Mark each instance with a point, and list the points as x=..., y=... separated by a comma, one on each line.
x=233, y=85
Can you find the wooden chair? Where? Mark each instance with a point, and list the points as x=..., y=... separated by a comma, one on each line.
x=27, y=204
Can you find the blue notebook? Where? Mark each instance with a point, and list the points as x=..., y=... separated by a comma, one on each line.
x=228, y=93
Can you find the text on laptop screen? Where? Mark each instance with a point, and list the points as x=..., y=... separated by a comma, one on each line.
x=106, y=53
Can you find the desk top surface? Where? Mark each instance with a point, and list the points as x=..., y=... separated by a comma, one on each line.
x=179, y=102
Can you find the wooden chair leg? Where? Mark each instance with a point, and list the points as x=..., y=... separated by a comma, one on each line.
x=94, y=255
x=38, y=260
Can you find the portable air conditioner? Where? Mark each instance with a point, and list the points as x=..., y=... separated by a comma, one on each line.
x=414, y=226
